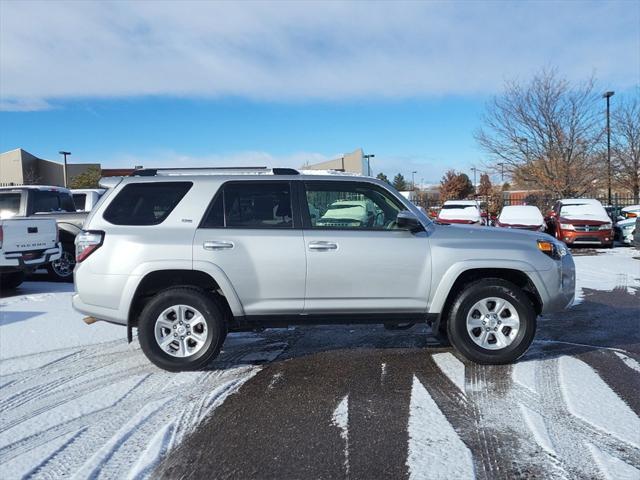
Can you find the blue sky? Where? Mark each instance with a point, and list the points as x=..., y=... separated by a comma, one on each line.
x=287, y=82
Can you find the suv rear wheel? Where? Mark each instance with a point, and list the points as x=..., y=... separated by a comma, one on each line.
x=181, y=328
x=61, y=270
x=492, y=321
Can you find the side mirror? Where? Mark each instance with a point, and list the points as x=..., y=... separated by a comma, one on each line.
x=408, y=221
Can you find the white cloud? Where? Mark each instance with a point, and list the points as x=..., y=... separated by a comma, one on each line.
x=304, y=50
x=171, y=159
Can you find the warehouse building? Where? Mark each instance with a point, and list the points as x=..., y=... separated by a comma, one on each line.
x=19, y=167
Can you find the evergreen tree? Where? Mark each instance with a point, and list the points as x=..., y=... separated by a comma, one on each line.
x=383, y=177
x=399, y=183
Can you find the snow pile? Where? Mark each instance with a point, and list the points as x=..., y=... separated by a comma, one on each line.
x=521, y=215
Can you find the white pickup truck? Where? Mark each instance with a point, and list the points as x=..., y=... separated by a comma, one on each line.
x=25, y=244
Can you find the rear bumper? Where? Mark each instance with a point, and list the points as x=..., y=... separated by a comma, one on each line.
x=20, y=260
x=101, y=313
x=600, y=237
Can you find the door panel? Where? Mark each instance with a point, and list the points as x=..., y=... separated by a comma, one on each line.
x=266, y=267
x=250, y=233
x=358, y=259
x=367, y=271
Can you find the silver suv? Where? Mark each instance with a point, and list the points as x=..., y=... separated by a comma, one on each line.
x=186, y=256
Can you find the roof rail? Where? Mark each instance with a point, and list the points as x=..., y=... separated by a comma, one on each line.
x=152, y=172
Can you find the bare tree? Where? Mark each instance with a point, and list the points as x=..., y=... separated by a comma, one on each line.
x=626, y=146
x=545, y=134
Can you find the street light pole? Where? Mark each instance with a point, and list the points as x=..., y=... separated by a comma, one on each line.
x=502, y=171
x=368, y=159
x=413, y=180
x=608, y=95
x=64, y=166
x=474, y=180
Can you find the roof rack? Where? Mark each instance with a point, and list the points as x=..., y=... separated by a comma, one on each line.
x=153, y=172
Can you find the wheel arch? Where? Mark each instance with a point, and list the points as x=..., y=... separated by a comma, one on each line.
x=157, y=280
x=518, y=277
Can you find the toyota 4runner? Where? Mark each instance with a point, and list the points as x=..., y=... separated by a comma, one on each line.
x=186, y=256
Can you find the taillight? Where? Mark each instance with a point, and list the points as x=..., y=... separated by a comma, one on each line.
x=87, y=242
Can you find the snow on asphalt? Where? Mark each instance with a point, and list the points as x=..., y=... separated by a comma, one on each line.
x=608, y=270
x=435, y=449
x=78, y=401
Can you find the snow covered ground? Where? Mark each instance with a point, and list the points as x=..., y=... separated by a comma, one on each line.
x=78, y=401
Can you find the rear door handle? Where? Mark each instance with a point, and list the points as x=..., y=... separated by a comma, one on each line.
x=215, y=245
x=322, y=246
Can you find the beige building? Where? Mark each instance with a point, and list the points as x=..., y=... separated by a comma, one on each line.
x=19, y=167
x=354, y=162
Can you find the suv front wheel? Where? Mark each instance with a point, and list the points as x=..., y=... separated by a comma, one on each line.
x=181, y=329
x=492, y=321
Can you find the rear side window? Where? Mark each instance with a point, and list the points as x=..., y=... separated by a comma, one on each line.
x=251, y=205
x=9, y=204
x=80, y=200
x=51, y=201
x=145, y=203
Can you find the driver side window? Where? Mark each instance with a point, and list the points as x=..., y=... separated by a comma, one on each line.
x=346, y=205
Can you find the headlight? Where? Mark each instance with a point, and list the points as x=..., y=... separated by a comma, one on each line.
x=605, y=226
x=552, y=249
x=567, y=226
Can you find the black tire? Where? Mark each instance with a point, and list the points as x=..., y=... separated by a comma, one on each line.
x=475, y=292
x=200, y=300
x=62, y=270
x=11, y=280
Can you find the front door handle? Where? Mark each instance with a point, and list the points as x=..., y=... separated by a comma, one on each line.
x=215, y=245
x=322, y=246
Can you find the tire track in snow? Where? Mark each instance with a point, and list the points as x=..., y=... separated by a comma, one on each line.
x=436, y=452
x=60, y=384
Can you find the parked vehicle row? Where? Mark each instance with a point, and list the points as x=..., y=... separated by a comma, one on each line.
x=574, y=221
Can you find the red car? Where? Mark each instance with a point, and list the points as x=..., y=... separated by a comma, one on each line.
x=466, y=212
x=523, y=217
x=580, y=221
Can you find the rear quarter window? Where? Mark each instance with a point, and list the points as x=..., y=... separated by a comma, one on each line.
x=145, y=203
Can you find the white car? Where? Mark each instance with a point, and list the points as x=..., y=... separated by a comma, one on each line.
x=349, y=213
x=465, y=212
x=624, y=229
x=525, y=217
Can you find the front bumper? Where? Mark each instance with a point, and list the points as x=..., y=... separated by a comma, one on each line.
x=21, y=260
x=560, y=285
x=600, y=237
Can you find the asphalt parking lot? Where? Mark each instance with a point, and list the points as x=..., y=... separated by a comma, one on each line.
x=327, y=402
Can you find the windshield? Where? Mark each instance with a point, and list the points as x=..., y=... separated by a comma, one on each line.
x=9, y=204
x=580, y=210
